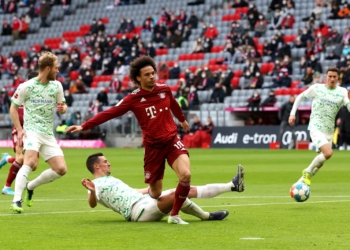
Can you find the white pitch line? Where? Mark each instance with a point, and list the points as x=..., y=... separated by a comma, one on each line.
x=238, y=205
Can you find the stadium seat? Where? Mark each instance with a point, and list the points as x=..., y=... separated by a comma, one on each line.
x=74, y=75
x=234, y=82
x=266, y=68
x=231, y=17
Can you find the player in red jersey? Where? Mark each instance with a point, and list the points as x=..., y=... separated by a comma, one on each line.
x=153, y=105
x=17, y=161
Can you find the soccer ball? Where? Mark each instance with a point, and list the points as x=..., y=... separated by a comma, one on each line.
x=300, y=192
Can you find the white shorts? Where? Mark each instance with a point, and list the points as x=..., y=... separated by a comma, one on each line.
x=47, y=146
x=146, y=210
x=320, y=138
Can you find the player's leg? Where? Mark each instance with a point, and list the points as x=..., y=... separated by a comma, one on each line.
x=16, y=165
x=324, y=144
x=53, y=155
x=5, y=158
x=181, y=166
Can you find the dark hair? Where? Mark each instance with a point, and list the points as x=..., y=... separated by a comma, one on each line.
x=333, y=69
x=32, y=74
x=91, y=160
x=138, y=64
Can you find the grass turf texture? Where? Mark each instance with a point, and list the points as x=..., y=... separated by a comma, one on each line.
x=262, y=217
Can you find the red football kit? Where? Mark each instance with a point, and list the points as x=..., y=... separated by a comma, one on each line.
x=14, y=131
x=153, y=110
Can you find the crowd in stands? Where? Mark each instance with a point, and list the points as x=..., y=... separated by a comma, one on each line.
x=99, y=53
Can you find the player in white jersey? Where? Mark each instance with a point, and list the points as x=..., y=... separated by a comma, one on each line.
x=40, y=96
x=136, y=204
x=327, y=100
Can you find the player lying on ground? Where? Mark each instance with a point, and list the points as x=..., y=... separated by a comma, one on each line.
x=327, y=100
x=136, y=205
x=16, y=161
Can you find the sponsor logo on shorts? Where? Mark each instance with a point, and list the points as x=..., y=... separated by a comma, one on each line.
x=147, y=175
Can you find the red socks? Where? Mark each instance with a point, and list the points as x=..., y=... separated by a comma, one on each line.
x=181, y=193
x=11, y=159
x=12, y=173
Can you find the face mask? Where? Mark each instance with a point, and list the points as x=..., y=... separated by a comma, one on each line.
x=319, y=35
x=247, y=74
x=280, y=74
x=260, y=17
x=273, y=42
x=255, y=95
x=257, y=74
x=192, y=89
x=203, y=75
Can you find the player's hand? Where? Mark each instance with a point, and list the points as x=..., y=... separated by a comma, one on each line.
x=88, y=184
x=61, y=107
x=185, y=126
x=291, y=120
x=20, y=135
x=74, y=129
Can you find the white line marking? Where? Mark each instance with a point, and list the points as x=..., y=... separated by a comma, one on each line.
x=238, y=205
x=252, y=238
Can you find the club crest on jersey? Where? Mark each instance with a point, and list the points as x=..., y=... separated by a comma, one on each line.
x=16, y=96
x=147, y=175
x=162, y=95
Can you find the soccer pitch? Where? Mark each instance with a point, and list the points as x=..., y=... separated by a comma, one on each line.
x=262, y=217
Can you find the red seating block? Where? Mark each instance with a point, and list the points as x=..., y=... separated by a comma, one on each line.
x=238, y=73
x=161, y=52
x=242, y=10
x=294, y=84
x=217, y=49
x=234, y=82
x=266, y=67
x=105, y=20
x=85, y=28
x=231, y=17
x=289, y=39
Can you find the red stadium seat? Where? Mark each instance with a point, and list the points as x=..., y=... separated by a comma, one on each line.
x=286, y=91
x=294, y=91
x=85, y=28
x=105, y=20
x=242, y=10
x=234, y=82
x=266, y=68
x=238, y=73
x=217, y=49
x=278, y=91
x=231, y=17
x=289, y=39
x=161, y=52
x=74, y=75
x=295, y=84
x=94, y=84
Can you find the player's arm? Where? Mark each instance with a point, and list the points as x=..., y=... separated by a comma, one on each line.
x=15, y=117
x=120, y=109
x=177, y=111
x=89, y=185
x=142, y=190
x=308, y=93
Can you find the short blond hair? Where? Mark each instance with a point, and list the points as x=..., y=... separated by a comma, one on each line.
x=46, y=60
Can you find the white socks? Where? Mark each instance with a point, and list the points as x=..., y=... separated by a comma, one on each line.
x=316, y=163
x=21, y=181
x=46, y=176
x=212, y=190
x=189, y=207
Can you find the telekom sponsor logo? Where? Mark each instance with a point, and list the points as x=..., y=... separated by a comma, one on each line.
x=65, y=144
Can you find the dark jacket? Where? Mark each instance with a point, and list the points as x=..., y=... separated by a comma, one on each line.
x=285, y=110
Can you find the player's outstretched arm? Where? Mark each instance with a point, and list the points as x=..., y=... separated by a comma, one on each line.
x=297, y=101
x=89, y=185
x=74, y=129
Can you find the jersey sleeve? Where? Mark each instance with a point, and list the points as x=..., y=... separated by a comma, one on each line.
x=310, y=92
x=60, y=94
x=346, y=100
x=19, y=95
x=176, y=109
x=118, y=110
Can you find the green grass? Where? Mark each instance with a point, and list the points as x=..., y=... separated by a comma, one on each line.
x=62, y=219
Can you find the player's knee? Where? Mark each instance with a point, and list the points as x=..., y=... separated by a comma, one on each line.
x=155, y=194
x=61, y=170
x=185, y=176
x=328, y=154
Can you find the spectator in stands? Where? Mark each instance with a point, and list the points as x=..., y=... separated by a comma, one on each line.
x=196, y=125
x=305, y=37
x=333, y=37
x=95, y=107
x=115, y=84
x=24, y=28
x=193, y=97
x=344, y=12
x=198, y=46
x=16, y=27
x=251, y=66
x=240, y=3
x=229, y=52
x=315, y=64
x=282, y=80
x=334, y=11
x=6, y=29
x=87, y=79
x=270, y=100
x=158, y=38
x=44, y=12
x=226, y=81
x=211, y=32
x=307, y=79
x=208, y=44
x=183, y=102
x=288, y=21
x=163, y=71
x=283, y=116
x=236, y=32
x=254, y=100
x=92, y=134
x=148, y=24
x=346, y=48
x=186, y=32
x=4, y=101
x=276, y=20
x=209, y=126
x=69, y=98
x=102, y=97
x=77, y=87
x=11, y=7
x=193, y=21
x=260, y=26
x=174, y=72
x=218, y=94
x=319, y=44
x=275, y=4
x=257, y=81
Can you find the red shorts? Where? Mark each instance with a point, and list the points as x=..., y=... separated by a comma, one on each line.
x=154, y=158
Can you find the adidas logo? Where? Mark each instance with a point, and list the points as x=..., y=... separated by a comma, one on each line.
x=143, y=99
